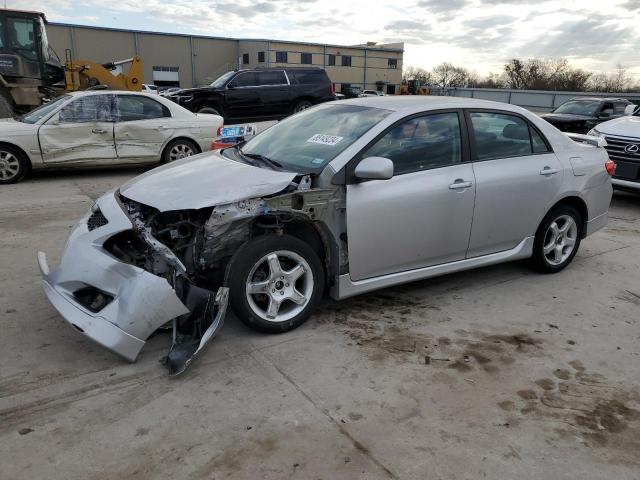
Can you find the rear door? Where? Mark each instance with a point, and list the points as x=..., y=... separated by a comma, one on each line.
x=81, y=132
x=422, y=216
x=243, y=96
x=274, y=92
x=142, y=127
x=517, y=178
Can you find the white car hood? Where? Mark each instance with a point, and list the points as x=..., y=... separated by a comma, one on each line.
x=9, y=126
x=203, y=180
x=623, y=126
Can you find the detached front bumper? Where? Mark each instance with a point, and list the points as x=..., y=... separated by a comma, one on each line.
x=129, y=303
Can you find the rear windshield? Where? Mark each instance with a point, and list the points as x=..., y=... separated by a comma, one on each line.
x=579, y=107
x=307, y=141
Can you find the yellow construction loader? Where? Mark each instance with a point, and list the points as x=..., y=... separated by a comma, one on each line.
x=31, y=73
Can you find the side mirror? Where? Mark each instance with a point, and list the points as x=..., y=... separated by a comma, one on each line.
x=605, y=114
x=231, y=86
x=630, y=109
x=54, y=120
x=374, y=168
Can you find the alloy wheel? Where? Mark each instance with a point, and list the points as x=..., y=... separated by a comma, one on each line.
x=279, y=286
x=9, y=165
x=180, y=150
x=560, y=239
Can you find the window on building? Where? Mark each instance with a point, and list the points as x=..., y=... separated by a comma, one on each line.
x=331, y=59
x=245, y=59
x=306, y=58
x=422, y=143
x=392, y=63
x=166, y=76
x=346, y=60
x=391, y=89
x=260, y=57
x=281, y=57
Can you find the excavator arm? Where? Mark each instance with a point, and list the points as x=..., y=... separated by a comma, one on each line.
x=84, y=74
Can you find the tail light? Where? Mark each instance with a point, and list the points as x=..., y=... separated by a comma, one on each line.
x=610, y=167
x=332, y=89
x=219, y=131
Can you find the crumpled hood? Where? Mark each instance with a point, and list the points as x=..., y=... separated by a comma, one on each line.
x=623, y=126
x=564, y=118
x=203, y=180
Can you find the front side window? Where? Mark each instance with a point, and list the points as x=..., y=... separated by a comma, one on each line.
x=247, y=79
x=307, y=141
x=86, y=109
x=499, y=135
x=281, y=57
x=272, y=78
x=421, y=143
x=619, y=108
x=137, y=107
x=346, y=61
x=222, y=79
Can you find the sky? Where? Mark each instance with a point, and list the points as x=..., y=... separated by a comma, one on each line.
x=478, y=34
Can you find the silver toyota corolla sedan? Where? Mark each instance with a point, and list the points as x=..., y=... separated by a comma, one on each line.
x=346, y=198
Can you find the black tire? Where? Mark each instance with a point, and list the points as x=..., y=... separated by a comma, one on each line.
x=248, y=257
x=13, y=165
x=302, y=105
x=544, y=236
x=6, y=107
x=214, y=111
x=183, y=144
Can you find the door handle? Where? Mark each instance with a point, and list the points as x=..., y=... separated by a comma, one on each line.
x=163, y=127
x=460, y=184
x=548, y=171
x=99, y=130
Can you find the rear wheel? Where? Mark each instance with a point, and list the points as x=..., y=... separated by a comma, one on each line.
x=302, y=105
x=557, y=239
x=275, y=282
x=178, y=149
x=13, y=165
x=211, y=110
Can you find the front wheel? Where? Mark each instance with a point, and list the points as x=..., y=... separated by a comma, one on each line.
x=275, y=282
x=557, y=239
x=13, y=165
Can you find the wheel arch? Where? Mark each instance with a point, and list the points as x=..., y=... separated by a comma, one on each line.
x=21, y=150
x=180, y=137
x=579, y=204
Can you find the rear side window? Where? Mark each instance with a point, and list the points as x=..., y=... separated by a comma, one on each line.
x=92, y=108
x=421, y=143
x=499, y=135
x=272, y=78
x=619, y=107
x=137, y=107
x=308, y=76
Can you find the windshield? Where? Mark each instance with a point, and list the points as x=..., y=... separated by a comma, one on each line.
x=309, y=140
x=222, y=79
x=579, y=107
x=42, y=111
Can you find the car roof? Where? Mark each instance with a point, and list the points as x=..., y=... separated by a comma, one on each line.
x=107, y=92
x=409, y=103
x=600, y=99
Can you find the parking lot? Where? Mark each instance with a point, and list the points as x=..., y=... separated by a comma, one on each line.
x=493, y=373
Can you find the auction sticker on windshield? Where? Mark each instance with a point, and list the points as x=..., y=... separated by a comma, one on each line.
x=323, y=139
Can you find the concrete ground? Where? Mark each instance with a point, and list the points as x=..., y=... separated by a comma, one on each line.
x=497, y=373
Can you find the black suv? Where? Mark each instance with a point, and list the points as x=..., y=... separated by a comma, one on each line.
x=581, y=114
x=259, y=94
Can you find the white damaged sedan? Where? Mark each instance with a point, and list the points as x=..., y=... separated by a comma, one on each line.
x=347, y=196
x=102, y=128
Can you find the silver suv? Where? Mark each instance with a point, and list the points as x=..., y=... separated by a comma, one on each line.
x=346, y=197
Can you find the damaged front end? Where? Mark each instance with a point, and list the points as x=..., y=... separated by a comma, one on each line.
x=118, y=282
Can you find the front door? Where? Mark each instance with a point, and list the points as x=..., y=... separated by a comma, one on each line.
x=142, y=128
x=420, y=217
x=517, y=178
x=81, y=132
x=243, y=96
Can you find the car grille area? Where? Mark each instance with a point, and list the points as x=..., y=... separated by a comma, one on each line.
x=96, y=220
x=626, y=156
